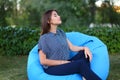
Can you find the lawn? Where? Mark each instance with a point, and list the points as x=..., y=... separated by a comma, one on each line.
x=14, y=68
x=114, y=67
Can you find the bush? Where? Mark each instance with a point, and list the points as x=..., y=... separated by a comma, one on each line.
x=110, y=36
x=19, y=41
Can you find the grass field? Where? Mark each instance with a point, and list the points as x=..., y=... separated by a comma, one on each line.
x=14, y=68
x=114, y=67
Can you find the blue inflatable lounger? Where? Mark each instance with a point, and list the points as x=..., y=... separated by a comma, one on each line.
x=99, y=63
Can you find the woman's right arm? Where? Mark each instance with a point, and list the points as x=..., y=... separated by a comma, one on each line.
x=49, y=62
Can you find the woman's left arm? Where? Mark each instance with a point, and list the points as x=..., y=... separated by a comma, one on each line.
x=78, y=48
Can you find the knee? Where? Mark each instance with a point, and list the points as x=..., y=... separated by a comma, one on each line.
x=83, y=64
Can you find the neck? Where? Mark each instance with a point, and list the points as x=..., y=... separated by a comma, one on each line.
x=53, y=29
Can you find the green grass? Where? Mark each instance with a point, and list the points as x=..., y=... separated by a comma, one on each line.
x=14, y=68
x=114, y=67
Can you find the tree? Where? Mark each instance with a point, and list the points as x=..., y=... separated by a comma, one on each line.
x=107, y=14
x=73, y=12
x=5, y=10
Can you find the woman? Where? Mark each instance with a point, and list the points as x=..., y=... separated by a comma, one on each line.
x=54, y=49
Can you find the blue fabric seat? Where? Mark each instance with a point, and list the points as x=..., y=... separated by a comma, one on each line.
x=99, y=63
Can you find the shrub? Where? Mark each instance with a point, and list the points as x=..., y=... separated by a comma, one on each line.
x=110, y=36
x=17, y=41
x=20, y=40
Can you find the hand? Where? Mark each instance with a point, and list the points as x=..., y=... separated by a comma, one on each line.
x=64, y=62
x=88, y=53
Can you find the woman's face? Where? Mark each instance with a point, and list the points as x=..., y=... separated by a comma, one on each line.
x=55, y=19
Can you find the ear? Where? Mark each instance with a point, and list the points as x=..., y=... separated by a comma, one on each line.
x=48, y=21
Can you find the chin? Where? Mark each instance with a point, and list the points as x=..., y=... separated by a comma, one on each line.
x=60, y=22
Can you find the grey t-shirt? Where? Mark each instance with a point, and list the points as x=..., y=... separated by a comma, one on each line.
x=54, y=45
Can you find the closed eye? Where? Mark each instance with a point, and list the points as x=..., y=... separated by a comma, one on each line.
x=55, y=15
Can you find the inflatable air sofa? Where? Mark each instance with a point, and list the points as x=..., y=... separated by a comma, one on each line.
x=99, y=63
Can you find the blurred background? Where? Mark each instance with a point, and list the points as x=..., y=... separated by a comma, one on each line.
x=73, y=12
x=20, y=29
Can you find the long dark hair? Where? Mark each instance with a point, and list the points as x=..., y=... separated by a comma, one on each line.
x=44, y=22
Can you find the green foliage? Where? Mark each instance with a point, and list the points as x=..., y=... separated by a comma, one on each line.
x=110, y=36
x=107, y=15
x=6, y=8
x=72, y=12
x=17, y=41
